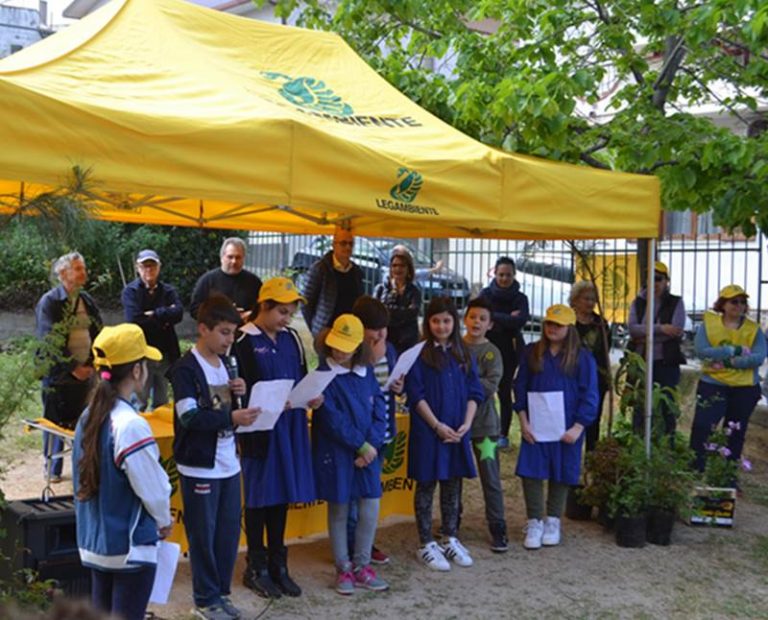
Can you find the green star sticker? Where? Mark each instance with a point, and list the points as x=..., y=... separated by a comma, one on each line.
x=487, y=449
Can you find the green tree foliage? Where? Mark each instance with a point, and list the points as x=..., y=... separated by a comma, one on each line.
x=27, y=253
x=511, y=72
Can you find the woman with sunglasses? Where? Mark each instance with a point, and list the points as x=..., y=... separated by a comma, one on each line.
x=732, y=347
x=669, y=321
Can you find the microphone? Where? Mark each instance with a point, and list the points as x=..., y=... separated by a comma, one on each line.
x=230, y=361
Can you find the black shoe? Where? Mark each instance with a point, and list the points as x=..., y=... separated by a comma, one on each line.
x=278, y=571
x=256, y=577
x=499, y=542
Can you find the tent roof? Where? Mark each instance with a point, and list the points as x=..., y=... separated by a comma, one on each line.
x=190, y=116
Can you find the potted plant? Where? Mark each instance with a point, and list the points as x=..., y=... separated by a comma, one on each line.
x=599, y=476
x=628, y=495
x=670, y=482
x=714, y=499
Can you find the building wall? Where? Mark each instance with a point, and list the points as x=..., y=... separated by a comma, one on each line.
x=18, y=28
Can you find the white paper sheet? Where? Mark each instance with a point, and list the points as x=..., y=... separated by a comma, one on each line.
x=404, y=363
x=546, y=414
x=167, y=560
x=271, y=396
x=310, y=387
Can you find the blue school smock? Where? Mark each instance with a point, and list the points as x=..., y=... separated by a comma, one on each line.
x=447, y=393
x=352, y=413
x=282, y=471
x=556, y=460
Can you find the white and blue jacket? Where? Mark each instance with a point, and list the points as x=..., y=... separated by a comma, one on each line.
x=117, y=528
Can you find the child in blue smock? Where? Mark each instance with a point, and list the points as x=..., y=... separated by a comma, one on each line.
x=276, y=464
x=556, y=398
x=347, y=433
x=443, y=393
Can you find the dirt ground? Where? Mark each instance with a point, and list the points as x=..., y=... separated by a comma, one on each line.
x=706, y=572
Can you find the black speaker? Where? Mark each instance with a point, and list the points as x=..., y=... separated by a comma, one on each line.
x=41, y=536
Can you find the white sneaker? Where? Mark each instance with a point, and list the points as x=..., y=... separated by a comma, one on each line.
x=456, y=552
x=551, y=536
x=533, y=534
x=432, y=556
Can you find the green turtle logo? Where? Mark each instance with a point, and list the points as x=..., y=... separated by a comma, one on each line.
x=408, y=185
x=394, y=454
x=310, y=93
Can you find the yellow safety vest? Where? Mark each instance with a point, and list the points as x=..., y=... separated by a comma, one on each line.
x=719, y=335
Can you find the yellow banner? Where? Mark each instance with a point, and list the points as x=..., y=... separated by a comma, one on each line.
x=617, y=281
x=303, y=519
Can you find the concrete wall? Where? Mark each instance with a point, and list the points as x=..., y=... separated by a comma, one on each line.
x=18, y=27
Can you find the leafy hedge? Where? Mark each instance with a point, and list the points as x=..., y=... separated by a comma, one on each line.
x=27, y=254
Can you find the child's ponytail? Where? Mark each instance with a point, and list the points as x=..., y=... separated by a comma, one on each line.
x=102, y=401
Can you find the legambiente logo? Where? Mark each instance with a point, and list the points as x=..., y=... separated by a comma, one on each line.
x=313, y=97
x=310, y=93
x=404, y=192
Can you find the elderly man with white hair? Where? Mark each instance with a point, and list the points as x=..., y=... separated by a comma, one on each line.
x=240, y=285
x=67, y=320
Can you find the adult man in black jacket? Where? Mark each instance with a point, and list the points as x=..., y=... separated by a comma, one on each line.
x=155, y=307
x=231, y=280
x=333, y=284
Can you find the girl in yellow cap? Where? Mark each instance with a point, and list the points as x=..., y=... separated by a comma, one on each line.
x=732, y=347
x=122, y=493
x=276, y=464
x=347, y=433
x=556, y=398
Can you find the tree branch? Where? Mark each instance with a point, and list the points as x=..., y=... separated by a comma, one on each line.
x=606, y=19
x=673, y=59
x=714, y=95
x=595, y=163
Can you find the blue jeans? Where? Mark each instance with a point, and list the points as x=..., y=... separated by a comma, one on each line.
x=52, y=445
x=124, y=594
x=212, y=523
x=367, y=511
x=715, y=403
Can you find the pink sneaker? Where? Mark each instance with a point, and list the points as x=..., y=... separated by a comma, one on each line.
x=378, y=556
x=345, y=580
x=367, y=578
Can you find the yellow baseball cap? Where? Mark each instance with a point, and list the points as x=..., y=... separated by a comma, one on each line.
x=733, y=290
x=121, y=344
x=561, y=314
x=346, y=333
x=281, y=290
x=660, y=267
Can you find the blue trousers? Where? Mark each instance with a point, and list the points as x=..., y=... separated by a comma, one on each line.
x=52, y=445
x=715, y=403
x=212, y=523
x=124, y=594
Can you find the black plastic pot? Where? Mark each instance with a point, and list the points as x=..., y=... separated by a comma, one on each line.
x=574, y=509
x=659, y=527
x=630, y=531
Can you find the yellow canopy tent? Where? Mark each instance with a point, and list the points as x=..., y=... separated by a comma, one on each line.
x=189, y=116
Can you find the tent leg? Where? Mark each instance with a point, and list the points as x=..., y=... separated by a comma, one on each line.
x=650, y=312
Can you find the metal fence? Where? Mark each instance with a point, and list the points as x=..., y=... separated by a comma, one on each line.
x=699, y=267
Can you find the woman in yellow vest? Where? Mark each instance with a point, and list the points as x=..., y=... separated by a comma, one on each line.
x=732, y=348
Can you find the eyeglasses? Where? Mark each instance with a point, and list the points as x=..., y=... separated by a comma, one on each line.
x=738, y=301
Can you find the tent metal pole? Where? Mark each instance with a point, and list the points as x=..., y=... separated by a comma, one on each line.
x=650, y=313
